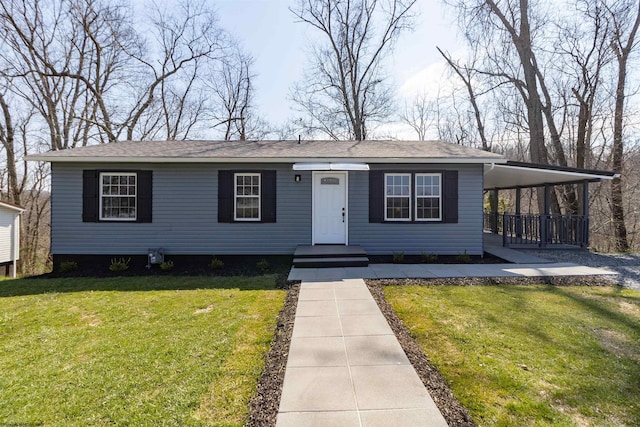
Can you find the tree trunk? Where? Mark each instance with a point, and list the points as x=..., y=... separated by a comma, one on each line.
x=7, y=137
x=617, y=208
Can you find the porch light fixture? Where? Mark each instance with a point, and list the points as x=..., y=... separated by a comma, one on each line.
x=298, y=178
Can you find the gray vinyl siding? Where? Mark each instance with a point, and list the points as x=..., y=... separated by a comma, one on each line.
x=412, y=238
x=185, y=214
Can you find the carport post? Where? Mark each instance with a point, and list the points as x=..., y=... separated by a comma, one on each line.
x=585, y=213
x=494, y=211
x=518, y=218
x=544, y=217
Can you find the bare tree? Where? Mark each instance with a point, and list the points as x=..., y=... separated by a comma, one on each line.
x=15, y=185
x=344, y=93
x=232, y=86
x=466, y=74
x=420, y=114
x=187, y=37
x=565, y=69
x=79, y=72
x=625, y=17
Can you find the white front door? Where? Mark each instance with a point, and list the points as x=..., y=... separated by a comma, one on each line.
x=330, y=208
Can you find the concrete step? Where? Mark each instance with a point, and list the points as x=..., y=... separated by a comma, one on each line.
x=329, y=251
x=328, y=262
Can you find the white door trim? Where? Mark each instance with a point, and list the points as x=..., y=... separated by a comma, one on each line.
x=346, y=204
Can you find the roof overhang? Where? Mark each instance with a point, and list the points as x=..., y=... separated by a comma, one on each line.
x=330, y=167
x=11, y=206
x=519, y=174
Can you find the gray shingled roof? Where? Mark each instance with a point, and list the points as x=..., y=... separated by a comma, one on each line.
x=273, y=151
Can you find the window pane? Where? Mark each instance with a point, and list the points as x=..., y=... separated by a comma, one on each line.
x=428, y=208
x=118, y=199
x=397, y=195
x=398, y=207
x=247, y=196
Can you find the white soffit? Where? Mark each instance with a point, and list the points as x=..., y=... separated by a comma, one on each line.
x=330, y=167
x=506, y=176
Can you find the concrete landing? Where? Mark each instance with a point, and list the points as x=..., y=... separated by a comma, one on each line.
x=346, y=367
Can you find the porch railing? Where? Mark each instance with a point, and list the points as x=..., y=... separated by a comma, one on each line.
x=539, y=230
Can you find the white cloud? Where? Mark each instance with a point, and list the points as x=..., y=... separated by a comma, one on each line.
x=434, y=80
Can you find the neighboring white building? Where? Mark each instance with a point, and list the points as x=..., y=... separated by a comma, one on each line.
x=10, y=235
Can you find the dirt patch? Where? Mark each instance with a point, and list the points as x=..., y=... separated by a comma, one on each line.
x=91, y=319
x=630, y=309
x=617, y=343
x=453, y=411
x=263, y=409
x=204, y=310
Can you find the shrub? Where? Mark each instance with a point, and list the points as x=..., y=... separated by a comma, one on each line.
x=262, y=265
x=428, y=258
x=67, y=266
x=398, y=257
x=216, y=264
x=463, y=258
x=119, y=264
x=166, y=266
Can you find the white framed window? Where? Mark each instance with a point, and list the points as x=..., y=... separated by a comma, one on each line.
x=118, y=196
x=397, y=197
x=246, y=206
x=428, y=197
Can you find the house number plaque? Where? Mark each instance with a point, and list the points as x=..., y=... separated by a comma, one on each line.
x=330, y=181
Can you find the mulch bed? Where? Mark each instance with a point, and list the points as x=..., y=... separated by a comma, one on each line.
x=453, y=411
x=264, y=406
x=487, y=258
x=183, y=265
x=488, y=281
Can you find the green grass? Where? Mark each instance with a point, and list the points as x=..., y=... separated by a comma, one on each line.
x=172, y=351
x=531, y=355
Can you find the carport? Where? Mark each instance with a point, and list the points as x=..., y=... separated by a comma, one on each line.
x=544, y=229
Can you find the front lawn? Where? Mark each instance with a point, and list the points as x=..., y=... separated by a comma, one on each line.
x=531, y=355
x=176, y=351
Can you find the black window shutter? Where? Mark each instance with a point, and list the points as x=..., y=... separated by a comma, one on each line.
x=376, y=196
x=450, y=202
x=268, y=196
x=89, y=196
x=225, y=196
x=145, y=196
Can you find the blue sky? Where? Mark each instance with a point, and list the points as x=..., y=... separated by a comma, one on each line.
x=267, y=30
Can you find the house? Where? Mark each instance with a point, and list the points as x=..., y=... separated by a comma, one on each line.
x=9, y=236
x=271, y=197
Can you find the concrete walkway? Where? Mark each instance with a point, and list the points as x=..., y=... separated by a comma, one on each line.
x=346, y=367
x=431, y=271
